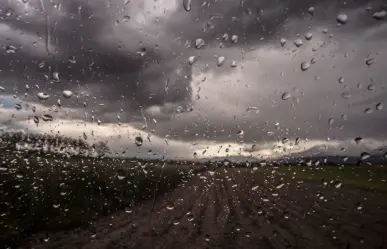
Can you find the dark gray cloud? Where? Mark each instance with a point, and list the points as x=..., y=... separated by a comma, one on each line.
x=133, y=56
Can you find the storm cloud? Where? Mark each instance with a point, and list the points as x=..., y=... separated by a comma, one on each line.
x=127, y=63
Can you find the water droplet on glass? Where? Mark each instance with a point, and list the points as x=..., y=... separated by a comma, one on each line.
x=187, y=5
x=199, y=43
x=368, y=111
x=283, y=42
x=55, y=76
x=234, y=38
x=380, y=15
x=220, y=60
x=311, y=10
x=207, y=237
x=67, y=94
x=43, y=96
x=18, y=106
x=308, y=36
x=371, y=87
x=305, y=65
x=286, y=95
x=176, y=221
x=370, y=61
x=240, y=132
x=72, y=60
x=379, y=106
x=191, y=60
x=285, y=140
x=358, y=140
x=346, y=95
x=252, y=109
x=47, y=117
x=126, y=18
x=342, y=18
x=233, y=64
x=36, y=119
x=248, y=234
x=359, y=206
x=298, y=42
x=286, y=215
x=138, y=141
x=365, y=155
x=338, y=184
x=341, y=80
x=280, y=185
x=56, y=205
x=170, y=206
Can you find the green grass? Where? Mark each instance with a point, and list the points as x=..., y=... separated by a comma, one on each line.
x=373, y=178
x=56, y=193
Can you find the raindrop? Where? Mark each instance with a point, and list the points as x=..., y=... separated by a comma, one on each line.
x=220, y=61
x=305, y=65
x=72, y=60
x=285, y=140
x=298, y=42
x=207, y=237
x=187, y=5
x=346, y=95
x=190, y=217
x=240, y=132
x=47, y=117
x=358, y=140
x=18, y=106
x=237, y=227
x=199, y=43
x=359, y=206
x=331, y=121
x=234, y=38
x=43, y=96
x=138, y=141
x=380, y=15
x=286, y=215
x=56, y=205
x=126, y=18
x=280, y=185
x=311, y=10
x=248, y=234
x=67, y=94
x=370, y=61
x=368, y=111
x=191, y=60
x=252, y=109
x=342, y=18
x=371, y=87
x=285, y=96
x=297, y=140
x=176, y=221
x=365, y=155
x=233, y=64
x=36, y=120
x=341, y=80
x=283, y=42
x=308, y=36
x=55, y=76
x=170, y=207
x=338, y=184
x=379, y=106
x=254, y=188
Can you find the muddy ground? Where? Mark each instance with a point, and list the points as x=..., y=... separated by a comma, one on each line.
x=237, y=209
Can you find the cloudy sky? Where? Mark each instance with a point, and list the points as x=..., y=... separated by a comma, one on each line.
x=135, y=69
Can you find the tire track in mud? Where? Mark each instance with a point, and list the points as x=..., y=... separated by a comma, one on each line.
x=220, y=210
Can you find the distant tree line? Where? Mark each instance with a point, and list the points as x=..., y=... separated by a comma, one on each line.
x=48, y=143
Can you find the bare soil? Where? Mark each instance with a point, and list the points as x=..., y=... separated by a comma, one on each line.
x=236, y=209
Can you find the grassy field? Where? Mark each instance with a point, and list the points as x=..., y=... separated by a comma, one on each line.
x=50, y=193
x=373, y=178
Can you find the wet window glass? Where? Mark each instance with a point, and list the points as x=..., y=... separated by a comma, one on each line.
x=193, y=124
